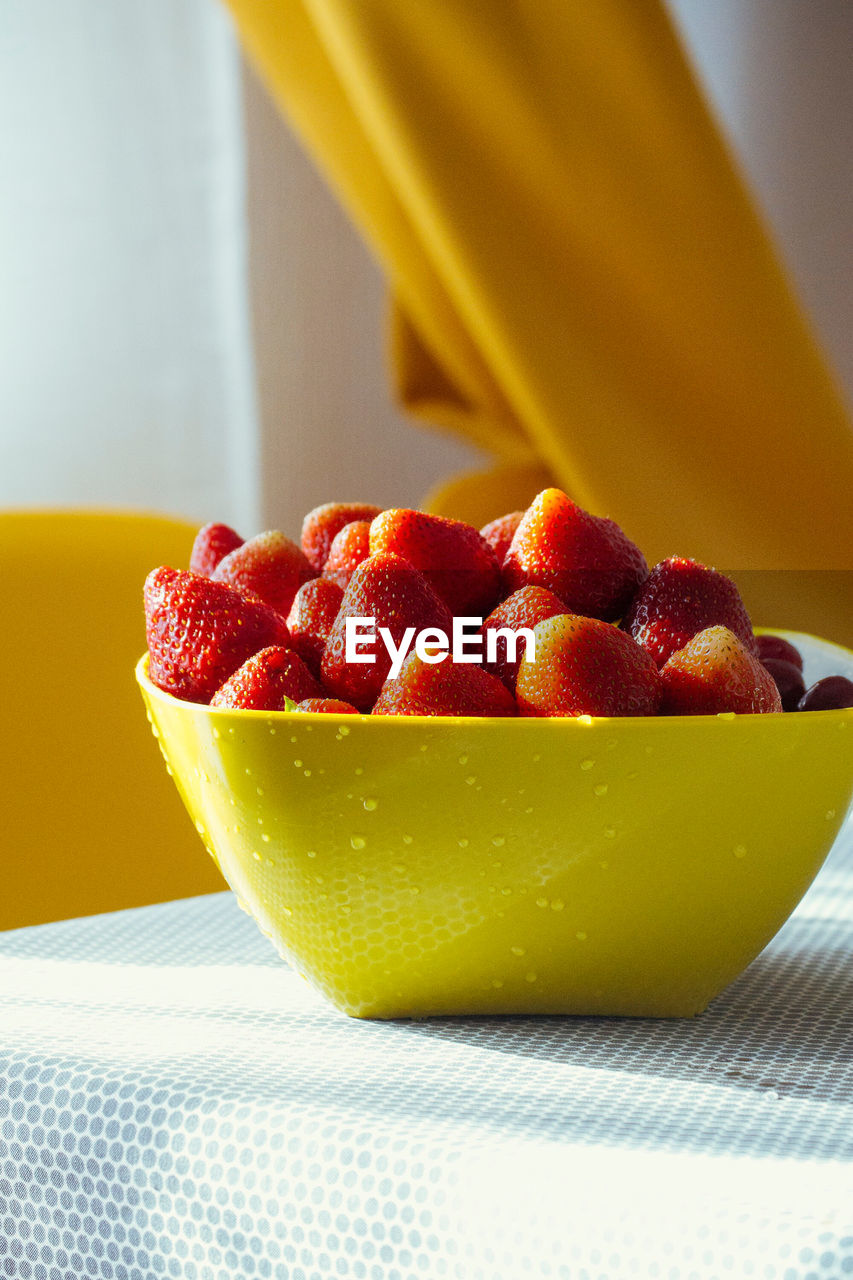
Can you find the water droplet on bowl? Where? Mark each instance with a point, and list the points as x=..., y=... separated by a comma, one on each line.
x=463, y=759
x=297, y=764
x=358, y=842
x=311, y=853
x=343, y=730
x=463, y=843
x=370, y=804
x=600, y=790
x=470, y=781
x=557, y=904
x=610, y=833
x=265, y=837
x=518, y=951
x=739, y=851
x=408, y=839
x=531, y=976
x=830, y=814
x=581, y=936
x=542, y=902
x=587, y=764
x=498, y=841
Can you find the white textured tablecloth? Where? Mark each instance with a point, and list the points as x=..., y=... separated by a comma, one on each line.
x=174, y=1101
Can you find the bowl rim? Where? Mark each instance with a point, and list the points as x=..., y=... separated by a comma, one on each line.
x=841, y=714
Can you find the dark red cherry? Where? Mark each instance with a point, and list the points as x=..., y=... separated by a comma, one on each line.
x=828, y=695
x=789, y=681
x=777, y=648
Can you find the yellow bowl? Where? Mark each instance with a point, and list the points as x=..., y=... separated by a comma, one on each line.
x=417, y=866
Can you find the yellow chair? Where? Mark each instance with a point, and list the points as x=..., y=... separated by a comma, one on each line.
x=90, y=821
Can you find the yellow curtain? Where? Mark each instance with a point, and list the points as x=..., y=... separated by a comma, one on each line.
x=581, y=284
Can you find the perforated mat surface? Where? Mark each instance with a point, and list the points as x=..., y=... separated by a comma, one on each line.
x=175, y=1101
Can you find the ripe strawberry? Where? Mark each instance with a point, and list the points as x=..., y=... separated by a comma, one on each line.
x=524, y=608
x=456, y=561
x=500, y=533
x=265, y=680
x=322, y=524
x=350, y=546
x=679, y=599
x=329, y=706
x=200, y=631
x=584, y=666
x=715, y=672
x=269, y=566
x=314, y=609
x=212, y=544
x=586, y=560
x=443, y=689
x=389, y=589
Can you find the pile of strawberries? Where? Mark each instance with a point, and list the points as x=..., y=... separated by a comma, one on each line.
x=262, y=624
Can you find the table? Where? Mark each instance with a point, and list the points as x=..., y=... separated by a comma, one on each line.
x=175, y=1101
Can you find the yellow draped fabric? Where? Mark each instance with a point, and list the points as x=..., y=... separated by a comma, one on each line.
x=581, y=284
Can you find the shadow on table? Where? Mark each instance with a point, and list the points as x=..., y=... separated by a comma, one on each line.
x=785, y=1026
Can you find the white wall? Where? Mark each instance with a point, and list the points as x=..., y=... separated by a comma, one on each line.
x=125, y=366
x=329, y=428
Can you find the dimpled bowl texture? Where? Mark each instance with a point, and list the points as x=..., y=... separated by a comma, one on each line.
x=415, y=866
